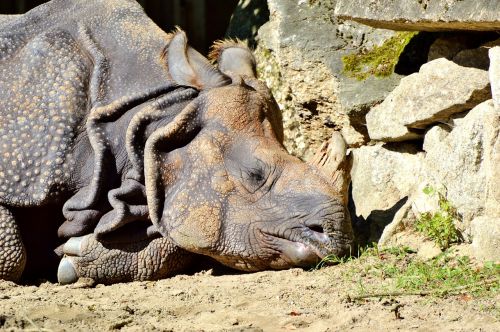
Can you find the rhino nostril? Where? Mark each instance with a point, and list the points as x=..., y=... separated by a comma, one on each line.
x=316, y=228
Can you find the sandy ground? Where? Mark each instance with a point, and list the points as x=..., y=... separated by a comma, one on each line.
x=265, y=301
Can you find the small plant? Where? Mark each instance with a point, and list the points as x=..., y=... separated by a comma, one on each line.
x=439, y=226
x=332, y=260
x=329, y=260
x=398, y=271
x=445, y=274
x=379, y=61
x=370, y=250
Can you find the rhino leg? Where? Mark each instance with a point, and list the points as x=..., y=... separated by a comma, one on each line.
x=148, y=259
x=12, y=252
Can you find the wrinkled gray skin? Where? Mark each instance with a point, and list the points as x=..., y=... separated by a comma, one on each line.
x=153, y=155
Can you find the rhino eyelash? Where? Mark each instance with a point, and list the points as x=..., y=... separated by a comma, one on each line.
x=254, y=179
x=261, y=177
x=257, y=175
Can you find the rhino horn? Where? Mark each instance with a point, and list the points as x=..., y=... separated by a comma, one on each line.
x=233, y=58
x=334, y=164
x=188, y=67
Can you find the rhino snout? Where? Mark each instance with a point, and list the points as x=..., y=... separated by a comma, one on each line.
x=327, y=242
x=305, y=244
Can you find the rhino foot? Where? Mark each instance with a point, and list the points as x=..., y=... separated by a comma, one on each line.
x=12, y=251
x=149, y=259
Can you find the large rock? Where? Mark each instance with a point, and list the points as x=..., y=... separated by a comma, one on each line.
x=494, y=73
x=384, y=175
x=486, y=238
x=448, y=46
x=423, y=15
x=465, y=49
x=440, y=89
x=300, y=51
x=466, y=162
x=461, y=162
x=476, y=57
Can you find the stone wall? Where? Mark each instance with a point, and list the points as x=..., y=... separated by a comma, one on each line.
x=447, y=113
x=300, y=50
x=423, y=15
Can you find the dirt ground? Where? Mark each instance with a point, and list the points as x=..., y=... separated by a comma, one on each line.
x=207, y=301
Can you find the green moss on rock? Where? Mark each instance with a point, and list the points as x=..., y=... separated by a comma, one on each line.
x=379, y=61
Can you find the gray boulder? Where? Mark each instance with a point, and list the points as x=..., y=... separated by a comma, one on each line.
x=382, y=176
x=461, y=162
x=494, y=74
x=423, y=15
x=448, y=46
x=440, y=89
x=486, y=238
x=475, y=57
x=465, y=162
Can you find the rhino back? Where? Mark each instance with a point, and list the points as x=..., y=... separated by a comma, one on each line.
x=4, y=19
x=43, y=86
x=58, y=62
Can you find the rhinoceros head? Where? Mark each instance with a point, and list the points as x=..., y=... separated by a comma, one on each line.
x=219, y=181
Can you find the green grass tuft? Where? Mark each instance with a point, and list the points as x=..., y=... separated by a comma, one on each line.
x=439, y=226
x=398, y=271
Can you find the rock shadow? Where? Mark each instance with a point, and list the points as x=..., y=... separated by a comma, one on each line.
x=369, y=230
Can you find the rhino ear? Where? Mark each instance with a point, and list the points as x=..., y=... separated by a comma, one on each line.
x=232, y=56
x=159, y=171
x=188, y=67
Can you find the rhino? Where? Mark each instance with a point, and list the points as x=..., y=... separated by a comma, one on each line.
x=127, y=155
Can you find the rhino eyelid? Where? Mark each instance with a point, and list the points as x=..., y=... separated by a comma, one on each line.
x=257, y=175
x=264, y=174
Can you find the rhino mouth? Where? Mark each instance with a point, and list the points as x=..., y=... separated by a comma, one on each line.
x=305, y=246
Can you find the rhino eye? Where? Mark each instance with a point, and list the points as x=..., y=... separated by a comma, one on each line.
x=255, y=178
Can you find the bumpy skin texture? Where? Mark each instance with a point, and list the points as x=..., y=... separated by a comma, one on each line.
x=150, y=259
x=69, y=70
x=12, y=253
x=153, y=154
